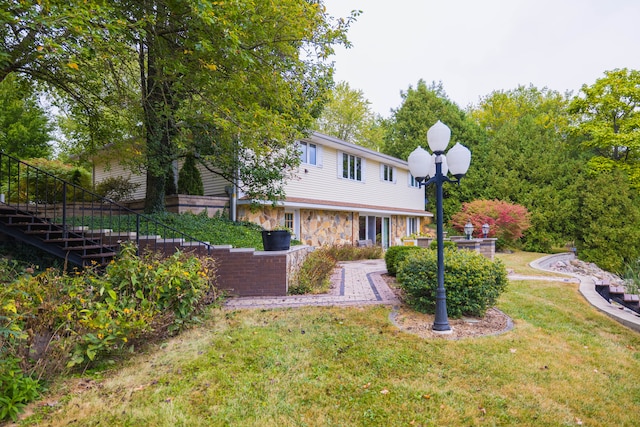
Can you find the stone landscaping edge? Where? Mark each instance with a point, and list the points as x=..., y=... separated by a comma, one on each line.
x=587, y=288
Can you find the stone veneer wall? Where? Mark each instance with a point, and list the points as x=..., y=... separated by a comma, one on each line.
x=266, y=217
x=399, y=229
x=325, y=227
x=318, y=228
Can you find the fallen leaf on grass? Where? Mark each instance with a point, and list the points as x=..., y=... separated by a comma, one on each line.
x=366, y=386
x=512, y=350
x=384, y=391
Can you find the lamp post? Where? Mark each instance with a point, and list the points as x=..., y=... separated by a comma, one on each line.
x=485, y=230
x=468, y=230
x=423, y=165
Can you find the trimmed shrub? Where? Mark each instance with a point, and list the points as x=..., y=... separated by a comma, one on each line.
x=448, y=244
x=314, y=275
x=394, y=255
x=117, y=189
x=472, y=281
x=189, y=178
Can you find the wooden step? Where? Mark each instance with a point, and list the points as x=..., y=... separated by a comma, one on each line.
x=619, y=290
x=631, y=299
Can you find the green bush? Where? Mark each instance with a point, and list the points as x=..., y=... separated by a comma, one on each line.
x=473, y=282
x=314, y=275
x=189, y=178
x=354, y=253
x=16, y=389
x=117, y=188
x=394, y=255
x=448, y=244
x=42, y=188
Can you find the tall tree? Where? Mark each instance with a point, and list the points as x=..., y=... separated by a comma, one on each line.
x=240, y=85
x=525, y=159
x=348, y=116
x=607, y=122
x=25, y=130
x=421, y=108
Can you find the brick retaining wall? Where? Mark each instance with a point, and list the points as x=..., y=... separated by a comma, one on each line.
x=247, y=272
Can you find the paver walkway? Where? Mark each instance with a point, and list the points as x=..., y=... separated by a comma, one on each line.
x=361, y=283
x=354, y=283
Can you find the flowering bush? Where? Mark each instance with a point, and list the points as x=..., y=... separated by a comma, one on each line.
x=507, y=221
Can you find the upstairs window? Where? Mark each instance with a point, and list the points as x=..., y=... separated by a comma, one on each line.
x=387, y=173
x=352, y=167
x=413, y=182
x=308, y=153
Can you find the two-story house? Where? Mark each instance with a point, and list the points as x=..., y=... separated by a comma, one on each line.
x=342, y=193
x=345, y=193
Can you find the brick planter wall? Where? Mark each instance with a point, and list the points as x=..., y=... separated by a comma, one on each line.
x=247, y=272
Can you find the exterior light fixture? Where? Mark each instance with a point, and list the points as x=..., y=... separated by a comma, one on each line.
x=430, y=169
x=485, y=230
x=468, y=230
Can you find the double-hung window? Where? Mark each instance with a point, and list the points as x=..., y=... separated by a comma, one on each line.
x=352, y=167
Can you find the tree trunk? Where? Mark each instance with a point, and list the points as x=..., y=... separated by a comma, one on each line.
x=158, y=109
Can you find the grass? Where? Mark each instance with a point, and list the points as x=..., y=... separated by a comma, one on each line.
x=518, y=261
x=216, y=230
x=563, y=364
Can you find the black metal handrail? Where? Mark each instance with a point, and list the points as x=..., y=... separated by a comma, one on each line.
x=30, y=189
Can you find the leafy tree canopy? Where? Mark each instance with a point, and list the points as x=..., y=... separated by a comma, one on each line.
x=180, y=74
x=25, y=130
x=348, y=116
x=607, y=122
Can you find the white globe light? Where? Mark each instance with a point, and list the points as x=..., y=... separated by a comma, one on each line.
x=459, y=160
x=438, y=137
x=419, y=161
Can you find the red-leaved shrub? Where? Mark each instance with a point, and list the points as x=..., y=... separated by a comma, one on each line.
x=507, y=221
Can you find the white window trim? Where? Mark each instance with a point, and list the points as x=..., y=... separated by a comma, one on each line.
x=417, y=220
x=394, y=173
x=318, y=154
x=363, y=167
x=296, y=222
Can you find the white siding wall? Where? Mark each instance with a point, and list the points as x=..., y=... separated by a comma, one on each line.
x=323, y=183
x=104, y=170
x=213, y=184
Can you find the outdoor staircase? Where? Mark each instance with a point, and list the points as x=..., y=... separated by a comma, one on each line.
x=73, y=223
x=70, y=244
x=618, y=294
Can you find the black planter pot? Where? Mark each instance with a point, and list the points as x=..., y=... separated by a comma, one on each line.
x=276, y=240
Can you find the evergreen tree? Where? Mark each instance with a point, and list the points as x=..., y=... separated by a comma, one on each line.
x=189, y=178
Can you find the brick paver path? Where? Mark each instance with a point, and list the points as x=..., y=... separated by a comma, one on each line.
x=353, y=283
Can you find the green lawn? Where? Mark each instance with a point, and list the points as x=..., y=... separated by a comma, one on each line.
x=563, y=364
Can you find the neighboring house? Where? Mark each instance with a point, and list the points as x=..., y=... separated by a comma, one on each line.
x=342, y=193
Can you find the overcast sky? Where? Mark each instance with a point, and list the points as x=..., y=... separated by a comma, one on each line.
x=477, y=46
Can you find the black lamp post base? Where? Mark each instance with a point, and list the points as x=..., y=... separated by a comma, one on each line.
x=437, y=330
